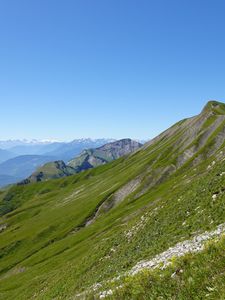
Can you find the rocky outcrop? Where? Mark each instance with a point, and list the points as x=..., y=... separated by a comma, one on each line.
x=161, y=261
x=95, y=157
x=88, y=159
x=164, y=259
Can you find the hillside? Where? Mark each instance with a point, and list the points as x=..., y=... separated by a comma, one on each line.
x=82, y=236
x=58, y=150
x=21, y=166
x=20, y=158
x=92, y=158
x=51, y=170
x=67, y=151
x=88, y=159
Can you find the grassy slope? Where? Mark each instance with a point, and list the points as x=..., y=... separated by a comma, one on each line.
x=46, y=252
x=51, y=170
x=195, y=276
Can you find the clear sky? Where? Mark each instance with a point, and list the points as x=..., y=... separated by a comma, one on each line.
x=107, y=68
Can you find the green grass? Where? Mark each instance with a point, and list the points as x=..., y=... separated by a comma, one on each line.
x=47, y=252
x=195, y=276
x=216, y=107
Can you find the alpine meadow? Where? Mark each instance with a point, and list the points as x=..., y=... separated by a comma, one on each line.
x=112, y=150
x=148, y=225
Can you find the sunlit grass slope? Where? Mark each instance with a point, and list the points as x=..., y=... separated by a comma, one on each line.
x=62, y=236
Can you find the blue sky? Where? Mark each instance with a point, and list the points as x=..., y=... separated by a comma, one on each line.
x=107, y=68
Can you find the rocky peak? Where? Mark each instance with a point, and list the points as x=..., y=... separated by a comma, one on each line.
x=214, y=107
x=94, y=157
x=59, y=164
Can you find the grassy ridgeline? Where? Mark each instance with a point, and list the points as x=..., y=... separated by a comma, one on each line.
x=48, y=252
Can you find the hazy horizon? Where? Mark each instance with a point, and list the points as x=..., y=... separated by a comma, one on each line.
x=154, y=133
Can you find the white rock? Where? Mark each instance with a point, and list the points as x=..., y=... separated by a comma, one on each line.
x=214, y=197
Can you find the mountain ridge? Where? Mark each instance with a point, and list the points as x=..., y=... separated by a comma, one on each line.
x=215, y=107
x=63, y=236
x=17, y=149
x=5, y=155
x=88, y=159
x=104, y=154
x=22, y=166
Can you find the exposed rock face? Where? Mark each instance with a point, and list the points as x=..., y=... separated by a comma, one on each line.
x=109, y=152
x=87, y=159
x=114, y=199
x=194, y=245
x=190, y=140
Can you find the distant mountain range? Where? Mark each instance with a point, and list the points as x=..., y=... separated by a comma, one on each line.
x=7, y=179
x=20, y=167
x=149, y=225
x=50, y=170
x=95, y=157
x=5, y=155
x=67, y=151
x=6, y=144
x=20, y=158
x=88, y=159
x=55, y=148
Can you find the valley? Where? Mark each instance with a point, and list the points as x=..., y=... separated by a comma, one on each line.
x=61, y=237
